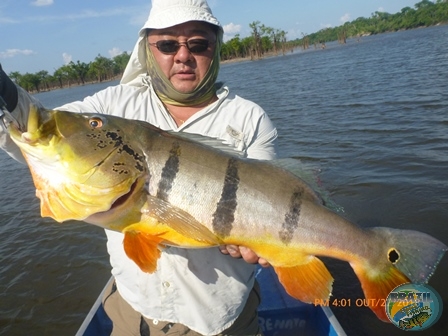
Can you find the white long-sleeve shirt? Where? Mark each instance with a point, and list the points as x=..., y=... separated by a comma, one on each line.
x=200, y=288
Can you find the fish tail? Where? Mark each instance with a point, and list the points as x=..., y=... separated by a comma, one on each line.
x=377, y=286
x=404, y=256
x=415, y=254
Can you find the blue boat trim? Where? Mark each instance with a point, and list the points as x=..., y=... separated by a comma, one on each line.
x=279, y=314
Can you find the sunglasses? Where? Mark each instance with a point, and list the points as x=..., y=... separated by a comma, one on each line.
x=170, y=47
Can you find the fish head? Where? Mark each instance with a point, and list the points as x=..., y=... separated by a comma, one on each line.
x=82, y=164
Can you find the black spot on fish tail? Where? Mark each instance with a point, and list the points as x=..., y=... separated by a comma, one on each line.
x=393, y=255
x=224, y=215
x=291, y=222
x=169, y=172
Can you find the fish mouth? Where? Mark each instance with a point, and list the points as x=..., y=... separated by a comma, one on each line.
x=124, y=198
x=39, y=128
x=122, y=211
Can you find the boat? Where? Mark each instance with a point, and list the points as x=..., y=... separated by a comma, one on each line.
x=278, y=314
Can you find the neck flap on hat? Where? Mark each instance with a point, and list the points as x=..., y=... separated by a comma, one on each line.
x=168, y=94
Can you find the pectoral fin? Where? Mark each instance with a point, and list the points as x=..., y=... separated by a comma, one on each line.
x=306, y=282
x=143, y=249
x=179, y=221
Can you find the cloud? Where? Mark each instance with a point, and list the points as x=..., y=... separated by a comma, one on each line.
x=15, y=52
x=67, y=58
x=40, y=3
x=115, y=52
x=134, y=13
x=82, y=15
x=345, y=18
x=381, y=9
x=326, y=25
x=6, y=20
x=88, y=14
x=232, y=28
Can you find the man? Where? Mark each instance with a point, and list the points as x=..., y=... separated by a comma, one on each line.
x=170, y=82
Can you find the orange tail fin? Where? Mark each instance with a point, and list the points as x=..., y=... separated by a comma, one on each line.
x=407, y=256
x=377, y=288
x=307, y=282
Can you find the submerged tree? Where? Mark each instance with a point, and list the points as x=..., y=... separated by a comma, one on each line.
x=256, y=36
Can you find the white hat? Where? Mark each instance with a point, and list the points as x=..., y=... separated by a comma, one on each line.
x=163, y=14
x=168, y=13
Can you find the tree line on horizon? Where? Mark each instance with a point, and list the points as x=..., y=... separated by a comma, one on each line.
x=424, y=14
x=263, y=39
x=80, y=73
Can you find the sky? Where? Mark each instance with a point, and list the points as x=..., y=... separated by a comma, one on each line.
x=40, y=35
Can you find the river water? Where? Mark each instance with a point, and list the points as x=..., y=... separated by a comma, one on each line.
x=371, y=116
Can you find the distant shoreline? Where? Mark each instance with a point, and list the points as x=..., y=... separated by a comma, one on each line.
x=228, y=61
x=246, y=59
x=234, y=60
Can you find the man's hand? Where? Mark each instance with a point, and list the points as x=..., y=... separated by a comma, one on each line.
x=243, y=252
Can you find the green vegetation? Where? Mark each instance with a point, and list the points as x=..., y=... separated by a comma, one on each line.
x=263, y=40
x=424, y=14
x=269, y=40
x=78, y=73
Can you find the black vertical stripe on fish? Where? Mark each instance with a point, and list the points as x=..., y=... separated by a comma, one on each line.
x=169, y=173
x=291, y=222
x=224, y=215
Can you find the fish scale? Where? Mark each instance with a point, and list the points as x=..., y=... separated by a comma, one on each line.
x=161, y=188
x=215, y=200
x=183, y=186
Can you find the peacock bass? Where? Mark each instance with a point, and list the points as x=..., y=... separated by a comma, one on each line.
x=162, y=188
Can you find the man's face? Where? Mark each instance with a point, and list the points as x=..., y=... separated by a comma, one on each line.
x=184, y=69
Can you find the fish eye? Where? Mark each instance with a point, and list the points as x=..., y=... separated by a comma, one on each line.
x=95, y=122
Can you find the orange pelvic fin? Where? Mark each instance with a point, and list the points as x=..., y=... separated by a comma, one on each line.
x=377, y=286
x=307, y=282
x=143, y=249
